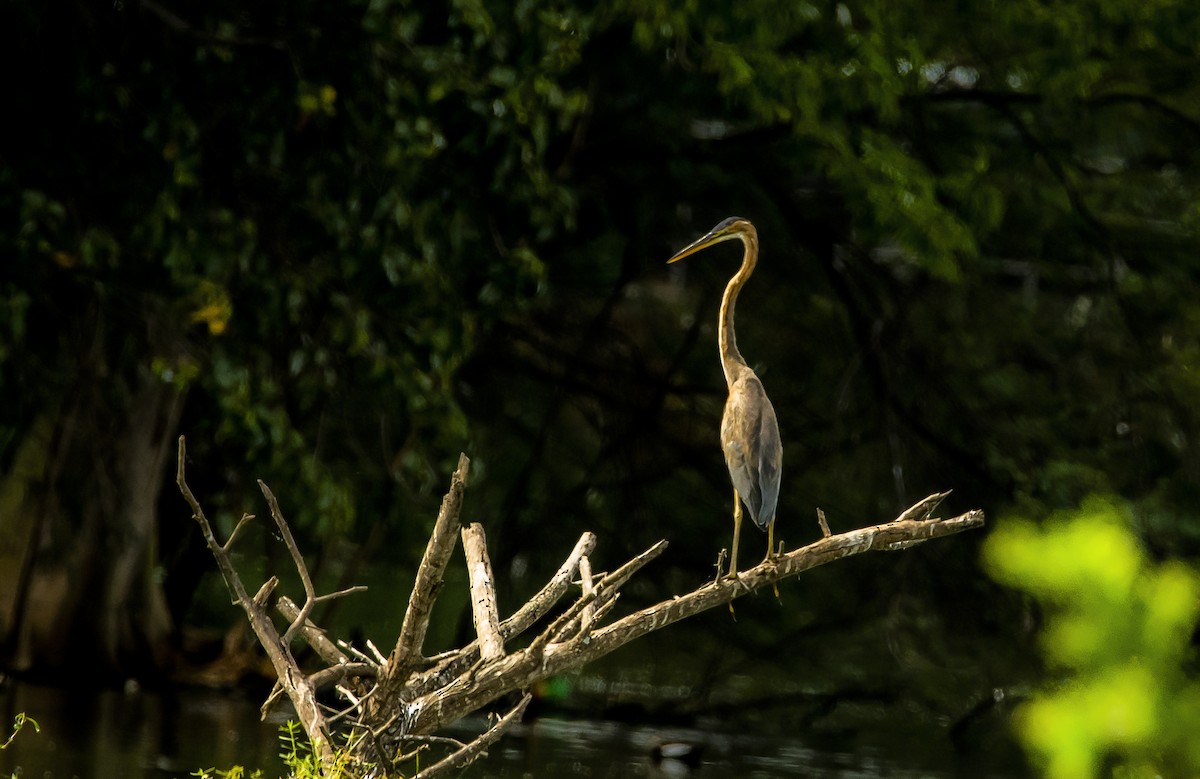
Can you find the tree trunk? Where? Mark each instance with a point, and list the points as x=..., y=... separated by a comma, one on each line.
x=78, y=519
x=135, y=619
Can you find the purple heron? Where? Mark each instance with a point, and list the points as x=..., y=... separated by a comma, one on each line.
x=749, y=429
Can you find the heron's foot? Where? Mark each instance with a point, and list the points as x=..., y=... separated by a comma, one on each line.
x=771, y=556
x=733, y=576
x=732, y=573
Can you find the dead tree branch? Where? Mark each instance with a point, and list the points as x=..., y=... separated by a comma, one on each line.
x=396, y=704
x=428, y=582
x=287, y=671
x=483, y=593
x=473, y=751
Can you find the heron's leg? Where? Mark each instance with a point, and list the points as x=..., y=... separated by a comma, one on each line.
x=771, y=554
x=737, y=531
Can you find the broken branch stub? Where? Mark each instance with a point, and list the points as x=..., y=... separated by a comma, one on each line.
x=397, y=704
x=483, y=593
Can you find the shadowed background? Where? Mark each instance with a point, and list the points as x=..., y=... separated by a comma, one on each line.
x=335, y=245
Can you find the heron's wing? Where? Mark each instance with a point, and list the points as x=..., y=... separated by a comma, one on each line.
x=753, y=452
x=770, y=468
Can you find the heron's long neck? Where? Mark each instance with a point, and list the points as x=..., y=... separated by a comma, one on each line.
x=731, y=358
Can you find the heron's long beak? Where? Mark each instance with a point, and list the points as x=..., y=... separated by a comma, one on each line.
x=703, y=243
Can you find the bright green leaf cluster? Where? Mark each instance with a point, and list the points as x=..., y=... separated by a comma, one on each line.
x=1118, y=631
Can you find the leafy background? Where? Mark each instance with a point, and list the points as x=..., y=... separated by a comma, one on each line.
x=337, y=244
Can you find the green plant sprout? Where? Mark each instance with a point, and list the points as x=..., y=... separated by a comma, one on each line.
x=298, y=757
x=1117, y=643
x=20, y=721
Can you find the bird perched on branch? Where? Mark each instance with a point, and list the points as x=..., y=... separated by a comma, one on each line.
x=749, y=429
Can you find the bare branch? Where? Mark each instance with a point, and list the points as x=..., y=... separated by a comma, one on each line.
x=483, y=592
x=542, y=658
x=361, y=655
x=585, y=583
x=286, y=670
x=826, y=550
x=310, y=593
x=335, y=674
x=340, y=593
x=924, y=508
x=379, y=658
x=264, y=592
x=313, y=635
x=473, y=751
x=608, y=585
x=452, y=664
x=540, y=604
x=404, y=708
x=246, y=518
x=428, y=580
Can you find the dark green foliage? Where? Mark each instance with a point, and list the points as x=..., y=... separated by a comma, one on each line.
x=360, y=238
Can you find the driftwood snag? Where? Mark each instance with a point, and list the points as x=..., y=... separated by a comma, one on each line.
x=395, y=705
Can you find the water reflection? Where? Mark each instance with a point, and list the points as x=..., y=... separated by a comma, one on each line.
x=151, y=735
x=132, y=733
x=606, y=750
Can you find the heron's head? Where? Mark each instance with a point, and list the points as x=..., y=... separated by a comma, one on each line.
x=727, y=230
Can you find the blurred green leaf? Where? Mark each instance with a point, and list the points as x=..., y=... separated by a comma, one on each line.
x=1118, y=631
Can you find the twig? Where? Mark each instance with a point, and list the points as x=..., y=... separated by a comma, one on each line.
x=473, y=751
x=918, y=512
x=609, y=584
x=264, y=592
x=923, y=508
x=340, y=593
x=246, y=518
x=361, y=655
x=436, y=740
x=315, y=637
x=539, y=604
x=452, y=664
x=310, y=593
x=336, y=673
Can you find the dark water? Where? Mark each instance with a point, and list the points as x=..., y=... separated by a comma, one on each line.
x=133, y=734
x=147, y=735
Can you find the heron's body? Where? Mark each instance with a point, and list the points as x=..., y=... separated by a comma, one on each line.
x=753, y=452
x=749, y=428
